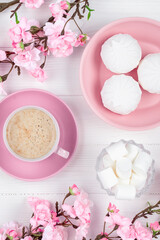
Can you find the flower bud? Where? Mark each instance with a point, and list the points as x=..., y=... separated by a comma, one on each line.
x=34, y=29
x=74, y=190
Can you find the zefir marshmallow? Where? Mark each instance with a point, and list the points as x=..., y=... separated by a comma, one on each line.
x=117, y=150
x=126, y=192
x=142, y=163
x=133, y=151
x=138, y=180
x=124, y=168
x=108, y=178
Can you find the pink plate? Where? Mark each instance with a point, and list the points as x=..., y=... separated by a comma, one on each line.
x=93, y=73
x=32, y=171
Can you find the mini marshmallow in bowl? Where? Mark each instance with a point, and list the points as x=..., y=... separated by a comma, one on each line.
x=125, y=169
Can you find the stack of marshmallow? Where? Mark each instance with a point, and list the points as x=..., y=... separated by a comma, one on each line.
x=125, y=168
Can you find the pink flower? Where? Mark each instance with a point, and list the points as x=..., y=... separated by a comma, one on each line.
x=39, y=74
x=27, y=238
x=81, y=40
x=42, y=212
x=112, y=208
x=62, y=46
x=54, y=217
x=11, y=229
x=69, y=210
x=55, y=29
x=20, y=31
x=81, y=231
x=155, y=226
x=34, y=202
x=32, y=3
x=82, y=207
x=2, y=91
x=27, y=58
x=65, y=5
x=43, y=50
x=18, y=47
x=126, y=232
x=54, y=233
x=2, y=55
x=116, y=219
x=32, y=23
x=57, y=11
x=74, y=190
x=141, y=232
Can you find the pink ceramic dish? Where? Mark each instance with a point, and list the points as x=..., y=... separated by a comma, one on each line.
x=93, y=73
x=33, y=171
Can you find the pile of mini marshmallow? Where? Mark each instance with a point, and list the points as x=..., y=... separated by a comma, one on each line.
x=125, y=169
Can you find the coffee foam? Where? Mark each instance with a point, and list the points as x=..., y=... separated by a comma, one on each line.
x=31, y=133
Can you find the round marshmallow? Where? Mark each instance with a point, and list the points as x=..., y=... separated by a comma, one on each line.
x=138, y=180
x=108, y=178
x=142, y=163
x=124, y=181
x=117, y=150
x=125, y=192
x=133, y=151
x=124, y=168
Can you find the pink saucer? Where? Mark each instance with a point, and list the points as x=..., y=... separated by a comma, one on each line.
x=93, y=73
x=32, y=171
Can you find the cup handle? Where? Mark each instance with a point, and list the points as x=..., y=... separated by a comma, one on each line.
x=63, y=153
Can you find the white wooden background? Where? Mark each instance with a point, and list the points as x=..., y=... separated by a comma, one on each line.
x=94, y=134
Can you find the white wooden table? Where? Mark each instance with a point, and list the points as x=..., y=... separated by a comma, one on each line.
x=94, y=134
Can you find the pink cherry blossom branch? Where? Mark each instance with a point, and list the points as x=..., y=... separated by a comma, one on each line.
x=46, y=223
x=132, y=229
x=36, y=39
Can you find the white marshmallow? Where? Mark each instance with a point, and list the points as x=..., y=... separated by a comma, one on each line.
x=126, y=192
x=107, y=161
x=124, y=168
x=133, y=151
x=108, y=178
x=117, y=150
x=124, y=181
x=142, y=163
x=138, y=180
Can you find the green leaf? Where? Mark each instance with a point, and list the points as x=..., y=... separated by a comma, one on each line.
x=89, y=15
x=89, y=9
x=71, y=191
x=69, y=5
x=21, y=45
x=9, y=237
x=16, y=17
x=84, y=38
x=0, y=79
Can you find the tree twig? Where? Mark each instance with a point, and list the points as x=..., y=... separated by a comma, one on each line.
x=145, y=212
x=16, y=9
x=6, y=5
